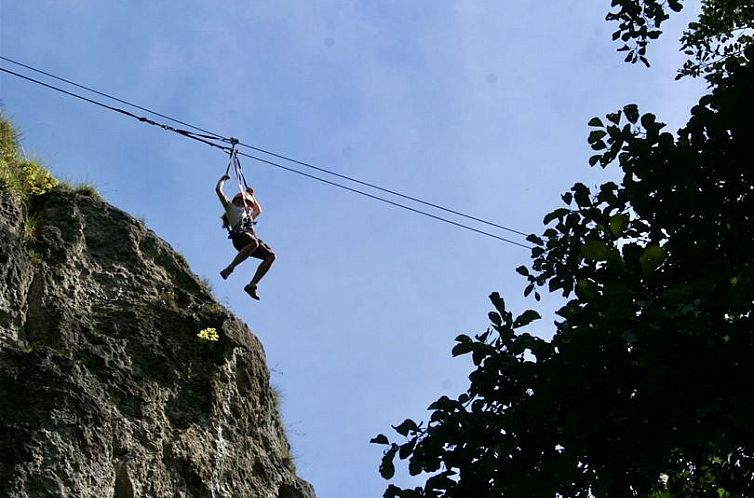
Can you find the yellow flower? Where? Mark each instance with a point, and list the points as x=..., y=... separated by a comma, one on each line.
x=208, y=334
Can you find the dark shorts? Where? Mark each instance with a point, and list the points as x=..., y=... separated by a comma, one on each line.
x=242, y=238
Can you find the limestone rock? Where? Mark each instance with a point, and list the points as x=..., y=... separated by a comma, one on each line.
x=105, y=389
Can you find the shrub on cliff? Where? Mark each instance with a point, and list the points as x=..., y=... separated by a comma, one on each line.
x=21, y=176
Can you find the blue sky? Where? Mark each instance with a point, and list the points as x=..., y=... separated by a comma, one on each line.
x=480, y=106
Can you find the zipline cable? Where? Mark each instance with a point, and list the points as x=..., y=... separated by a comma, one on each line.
x=102, y=94
x=387, y=201
x=201, y=138
x=206, y=139
x=271, y=153
x=386, y=190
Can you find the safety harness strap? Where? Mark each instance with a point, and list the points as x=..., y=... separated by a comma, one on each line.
x=235, y=163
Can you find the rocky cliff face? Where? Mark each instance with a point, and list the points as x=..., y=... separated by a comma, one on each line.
x=105, y=389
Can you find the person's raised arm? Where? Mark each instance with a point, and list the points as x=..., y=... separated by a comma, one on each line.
x=219, y=190
x=256, y=208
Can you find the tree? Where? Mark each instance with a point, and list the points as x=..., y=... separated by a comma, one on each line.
x=646, y=386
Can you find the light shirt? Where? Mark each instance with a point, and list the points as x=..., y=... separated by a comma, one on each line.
x=236, y=215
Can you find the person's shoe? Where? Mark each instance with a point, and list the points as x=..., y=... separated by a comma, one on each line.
x=252, y=291
x=225, y=273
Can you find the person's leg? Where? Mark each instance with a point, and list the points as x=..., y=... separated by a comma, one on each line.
x=251, y=245
x=268, y=257
x=262, y=268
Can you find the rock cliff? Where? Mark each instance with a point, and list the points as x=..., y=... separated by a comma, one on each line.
x=106, y=391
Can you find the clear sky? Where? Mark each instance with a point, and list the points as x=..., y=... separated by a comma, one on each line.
x=477, y=105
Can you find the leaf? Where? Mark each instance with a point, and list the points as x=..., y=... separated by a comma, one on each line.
x=479, y=353
x=535, y=240
x=463, y=338
x=416, y=467
x=581, y=195
x=379, y=439
x=441, y=482
x=554, y=284
x=497, y=302
x=526, y=318
x=406, y=449
x=519, y=344
x=587, y=289
x=618, y=223
x=594, y=159
x=444, y=404
x=528, y=290
x=595, y=122
x=648, y=121
x=522, y=270
x=393, y=491
x=464, y=346
x=679, y=293
x=614, y=133
x=614, y=117
x=595, y=250
x=652, y=258
x=558, y=213
x=406, y=426
x=595, y=136
x=387, y=469
x=632, y=112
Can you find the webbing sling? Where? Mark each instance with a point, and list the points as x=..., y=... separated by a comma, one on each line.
x=240, y=180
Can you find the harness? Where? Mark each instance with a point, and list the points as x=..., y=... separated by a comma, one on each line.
x=247, y=225
x=248, y=222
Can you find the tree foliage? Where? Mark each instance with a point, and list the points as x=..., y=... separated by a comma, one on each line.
x=639, y=21
x=646, y=386
x=722, y=31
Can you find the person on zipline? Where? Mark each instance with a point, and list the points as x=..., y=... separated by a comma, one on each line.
x=239, y=218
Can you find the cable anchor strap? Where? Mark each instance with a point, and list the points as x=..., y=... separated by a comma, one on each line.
x=232, y=153
x=234, y=142
x=238, y=173
x=239, y=179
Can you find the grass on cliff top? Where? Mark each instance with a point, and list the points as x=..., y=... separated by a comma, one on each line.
x=24, y=177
